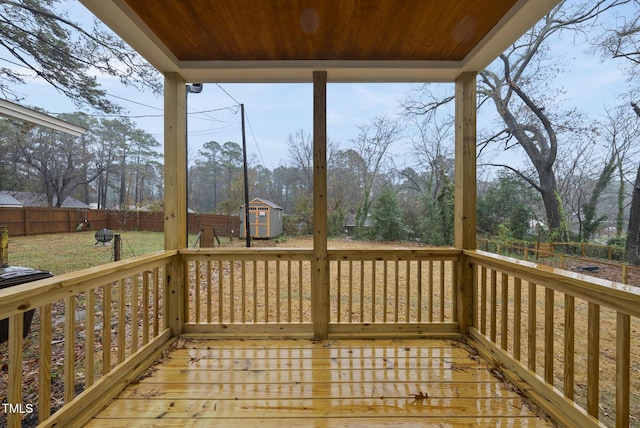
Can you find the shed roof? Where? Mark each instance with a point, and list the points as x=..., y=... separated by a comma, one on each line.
x=353, y=40
x=264, y=202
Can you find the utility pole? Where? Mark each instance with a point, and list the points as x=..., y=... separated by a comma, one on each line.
x=247, y=226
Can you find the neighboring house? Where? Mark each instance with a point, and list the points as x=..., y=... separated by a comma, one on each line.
x=350, y=223
x=39, y=200
x=8, y=201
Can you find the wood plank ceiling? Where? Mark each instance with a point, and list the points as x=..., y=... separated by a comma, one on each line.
x=351, y=30
x=286, y=40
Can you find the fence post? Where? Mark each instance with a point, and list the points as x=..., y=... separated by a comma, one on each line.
x=4, y=245
x=117, y=248
x=206, y=236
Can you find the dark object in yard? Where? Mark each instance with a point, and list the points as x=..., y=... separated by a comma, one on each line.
x=15, y=275
x=590, y=269
x=103, y=236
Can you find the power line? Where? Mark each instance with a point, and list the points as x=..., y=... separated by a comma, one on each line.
x=255, y=140
x=248, y=121
x=228, y=94
x=134, y=102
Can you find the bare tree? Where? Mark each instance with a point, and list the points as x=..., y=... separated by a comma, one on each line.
x=54, y=160
x=623, y=41
x=632, y=249
x=516, y=85
x=372, y=143
x=300, y=146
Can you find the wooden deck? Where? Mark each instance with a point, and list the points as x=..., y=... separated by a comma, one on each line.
x=336, y=383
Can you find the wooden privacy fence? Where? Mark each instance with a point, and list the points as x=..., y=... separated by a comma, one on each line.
x=40, y=221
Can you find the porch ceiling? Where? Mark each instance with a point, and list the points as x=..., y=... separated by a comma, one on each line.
x=353, y=40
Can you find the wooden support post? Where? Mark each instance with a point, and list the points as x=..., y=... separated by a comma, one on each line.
x=4, y=246
x=320, y=263
x=175, y=191
x=465, y=191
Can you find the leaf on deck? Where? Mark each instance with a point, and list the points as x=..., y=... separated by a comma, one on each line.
x=420, y=397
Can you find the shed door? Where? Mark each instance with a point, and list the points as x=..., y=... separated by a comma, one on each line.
x=262, y=223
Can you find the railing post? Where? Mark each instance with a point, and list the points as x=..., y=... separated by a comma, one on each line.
x=465, y=192
x=320, y=262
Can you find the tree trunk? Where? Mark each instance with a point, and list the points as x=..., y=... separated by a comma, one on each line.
x=632, y=249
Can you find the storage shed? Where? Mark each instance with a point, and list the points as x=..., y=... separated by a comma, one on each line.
x=265, y=219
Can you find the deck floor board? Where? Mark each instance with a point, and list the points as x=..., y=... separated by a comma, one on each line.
x=304, y=383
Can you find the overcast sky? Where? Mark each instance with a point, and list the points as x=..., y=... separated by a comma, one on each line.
x=276, y=111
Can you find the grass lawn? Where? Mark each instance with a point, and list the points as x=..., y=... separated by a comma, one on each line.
x=69, y=252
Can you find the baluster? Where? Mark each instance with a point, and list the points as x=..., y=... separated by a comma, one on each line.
x=419, y=291
x=134, y=313
x=483, y=300
x=220, y=290
x=69, y=348
x=209, y=295
x=517, y=317
x=232, y=288
x=532, y=328
x=44, y=373
x=623, y=373
x=442, y=291
x=549, y=295
x=339, y=296
x=504, y=312
x=89, y=338
x=569, y=345
x=196, y=292
x=385, y=289
x=289, y=280
x=373, y=291
x=243, y=272
x=593, y=361
x=494, y=304
x=145, y=308
x=408, y=292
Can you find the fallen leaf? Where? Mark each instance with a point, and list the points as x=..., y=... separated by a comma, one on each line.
x=420, y=397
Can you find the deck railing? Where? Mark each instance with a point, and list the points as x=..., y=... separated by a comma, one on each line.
x=564, y=338
x=568, y=337
x=393, y=291
x=98, y=329
x=239, y=292
x=231, y=290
